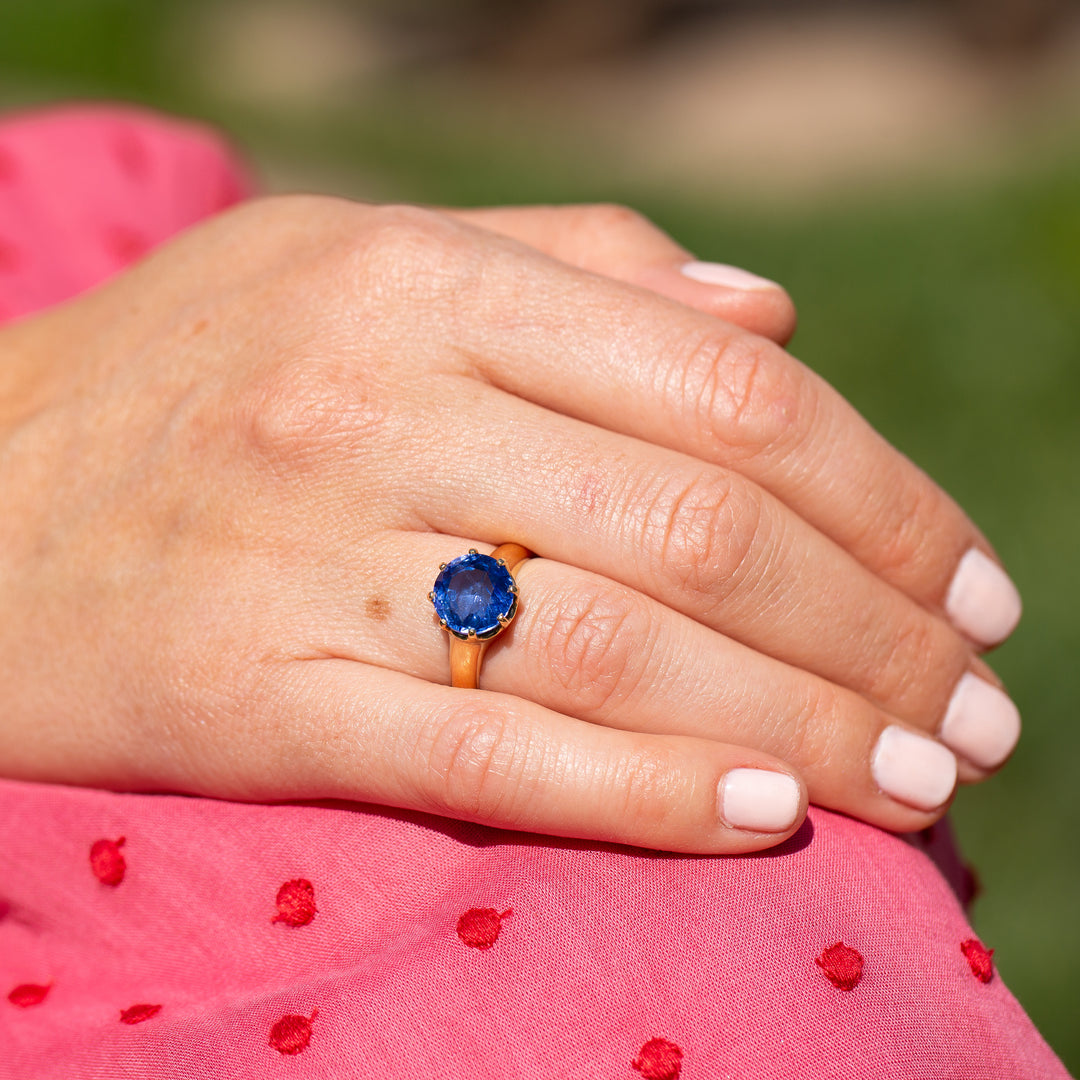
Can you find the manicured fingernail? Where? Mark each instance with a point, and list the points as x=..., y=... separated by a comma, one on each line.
x=913, y=769
x=983, y=601
x=981, y=722
x=759, y=799
x=731, y=277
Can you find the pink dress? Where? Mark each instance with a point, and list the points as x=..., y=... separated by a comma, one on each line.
x=164, y=936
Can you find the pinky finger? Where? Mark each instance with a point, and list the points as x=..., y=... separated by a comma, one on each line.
x=394, y=740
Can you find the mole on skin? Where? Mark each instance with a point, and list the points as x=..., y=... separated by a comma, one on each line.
x=378, y=608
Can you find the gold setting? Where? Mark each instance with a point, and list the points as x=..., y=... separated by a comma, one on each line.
x=466, y=654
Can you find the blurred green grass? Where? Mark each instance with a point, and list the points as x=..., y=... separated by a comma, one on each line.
x=949, y=313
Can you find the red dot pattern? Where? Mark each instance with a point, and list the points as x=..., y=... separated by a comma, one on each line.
x=28, y=994
x=9, y=258
x=479, y=927
x=659, y=1059
x=137, y=1014
x=131, y=155
x=980, y=959
x=843, y=966
x=291, y=1034
x=9, y=170
x=125, y=244
x=296, y=903
x=106, y=861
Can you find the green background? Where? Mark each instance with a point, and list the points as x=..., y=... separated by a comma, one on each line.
x=947, y=312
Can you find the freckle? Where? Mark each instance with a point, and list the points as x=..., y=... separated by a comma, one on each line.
x=378, y=608
x=199, y=327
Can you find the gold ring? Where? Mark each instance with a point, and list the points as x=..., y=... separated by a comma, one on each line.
x=476, y=598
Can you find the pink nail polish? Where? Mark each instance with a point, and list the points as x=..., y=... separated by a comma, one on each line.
x=913, y=769
x=730, y=277
x=981, y=723
x=982, y=601
x=759, y=800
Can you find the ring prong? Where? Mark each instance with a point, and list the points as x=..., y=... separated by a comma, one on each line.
x=472, y=635
x=442, y=566
x=473, y=551
x=504, y=621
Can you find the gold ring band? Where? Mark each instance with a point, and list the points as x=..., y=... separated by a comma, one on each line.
x=467, y=646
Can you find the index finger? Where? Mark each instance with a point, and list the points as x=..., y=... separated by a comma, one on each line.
x=631, y=361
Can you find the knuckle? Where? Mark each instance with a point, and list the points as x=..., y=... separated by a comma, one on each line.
x=742, y=392
x=649, y=784
x=475, y=760
x=809, y=725
x=902, y=525
x=704, y=533
x=909, y=664
x=305, y=407
x=407, y=251
x=593, y=644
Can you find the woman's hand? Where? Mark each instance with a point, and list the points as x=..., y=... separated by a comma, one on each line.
x=230, y=475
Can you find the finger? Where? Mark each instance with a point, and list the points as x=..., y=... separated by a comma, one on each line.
x=636, y=363
x=706, y=542
x=622, y=244
x=374, y=735
x=584, y=646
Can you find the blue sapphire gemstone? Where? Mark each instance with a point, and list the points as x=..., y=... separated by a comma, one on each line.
x=472, y=594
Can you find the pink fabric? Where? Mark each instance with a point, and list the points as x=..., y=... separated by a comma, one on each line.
x=87, y=189
x=232, y=941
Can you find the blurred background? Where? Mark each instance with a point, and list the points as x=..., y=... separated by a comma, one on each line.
x=909, y=170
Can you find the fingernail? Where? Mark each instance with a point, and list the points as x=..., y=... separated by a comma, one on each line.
x=759, y=799
x=981, y=722
x=913, y=769
x=983, y=601
x=731, y=277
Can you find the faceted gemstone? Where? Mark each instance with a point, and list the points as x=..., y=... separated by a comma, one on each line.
x=471, y=593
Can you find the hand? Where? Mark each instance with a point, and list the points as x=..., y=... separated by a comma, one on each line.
x=230, y=476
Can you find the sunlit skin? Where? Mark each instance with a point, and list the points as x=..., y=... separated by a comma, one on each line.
x=230, y=476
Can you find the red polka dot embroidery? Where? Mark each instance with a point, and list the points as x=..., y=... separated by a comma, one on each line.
x=106, y=861
x=980, y=959
x=131, y=155
x=479, y=927
x=138, y=1013
x=842, y=965
x=659, y=1059
x=9, y=258
x=291, y=1034
x=28, y=995
x=296, y=903
x=127, y=245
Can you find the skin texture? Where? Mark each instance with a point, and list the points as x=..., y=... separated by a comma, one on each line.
x=231, y=473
